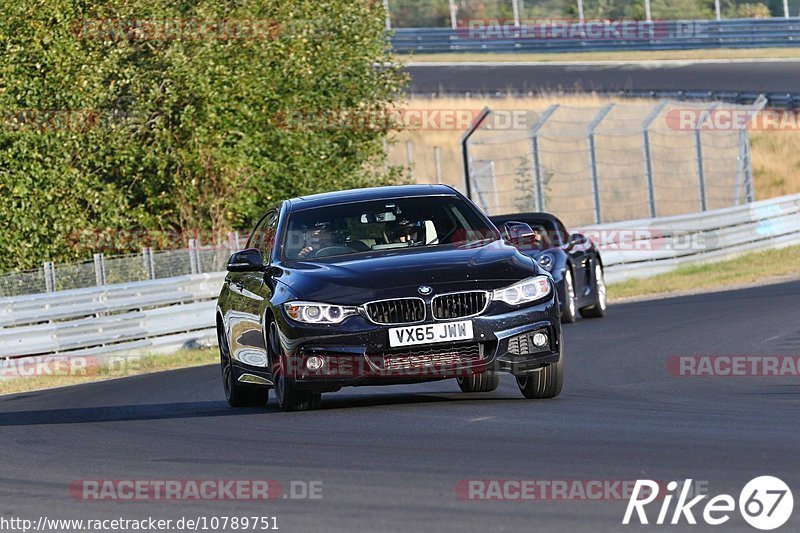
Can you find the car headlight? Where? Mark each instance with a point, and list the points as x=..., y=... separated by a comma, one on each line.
x=525, y=291
x=547, y=262
x=318, y=313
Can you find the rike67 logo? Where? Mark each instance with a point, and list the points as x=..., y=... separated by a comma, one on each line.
x=765, y=503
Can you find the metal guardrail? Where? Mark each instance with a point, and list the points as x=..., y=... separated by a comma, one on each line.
x=150, y=316
x=654, y=246
x=145, y=315
x=666, y=35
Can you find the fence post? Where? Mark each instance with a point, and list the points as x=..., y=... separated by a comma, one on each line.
x=49, y=276
x=605, y=110
x=149, y=265
x=580, y=11
x=698, y=150
x=537, y=167
x=515, y=11
x=388, y=14
x=437, y=159
x=465, y=148
x=749, y=183
x=453, y=14
x=410, y=157
x=194, y=262
x=99, y=269
x=648, y=158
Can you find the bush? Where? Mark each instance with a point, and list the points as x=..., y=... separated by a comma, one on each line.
x=109, y=124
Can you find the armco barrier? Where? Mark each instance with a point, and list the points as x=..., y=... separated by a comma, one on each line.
x=164, y=314
x=667, y=35
x=140, y=316
x=698, y=237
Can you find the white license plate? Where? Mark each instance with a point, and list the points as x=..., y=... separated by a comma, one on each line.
x=430, y=333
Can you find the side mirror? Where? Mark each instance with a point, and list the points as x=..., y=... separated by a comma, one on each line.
x=518, y=233
x=577, y=238
x=249, y=260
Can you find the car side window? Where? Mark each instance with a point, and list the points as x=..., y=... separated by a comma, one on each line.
x=562, y=232
x=263, y=236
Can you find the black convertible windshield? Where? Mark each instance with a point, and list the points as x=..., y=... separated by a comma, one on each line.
x=398, y=224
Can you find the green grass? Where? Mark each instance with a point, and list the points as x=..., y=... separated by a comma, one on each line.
x=124, y=366
x=632, y=55
x=754, y=268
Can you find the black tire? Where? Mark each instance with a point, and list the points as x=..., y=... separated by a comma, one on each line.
x=598, y=308
x=288, y=396
x=486, y=381
x=569, y=312
x=238, y=395
x=544, y=383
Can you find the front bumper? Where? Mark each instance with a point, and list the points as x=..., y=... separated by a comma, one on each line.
x=357, y=352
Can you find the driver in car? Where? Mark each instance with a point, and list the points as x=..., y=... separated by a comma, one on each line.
x=316, y=238
x=406, y=231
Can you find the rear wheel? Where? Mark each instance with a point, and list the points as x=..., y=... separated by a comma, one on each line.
x=238, y=395
x=486, y=381
x=598, y=308
x=288, y=396
x=544, y=383
x=569, y=312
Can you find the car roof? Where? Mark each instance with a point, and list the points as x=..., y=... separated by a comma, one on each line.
x=538, y=216
x=389, y=192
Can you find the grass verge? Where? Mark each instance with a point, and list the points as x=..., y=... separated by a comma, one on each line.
x=756, y=267
x=632, y=55
x=56, y=371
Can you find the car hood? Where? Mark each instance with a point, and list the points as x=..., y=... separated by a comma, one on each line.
x=392, y=275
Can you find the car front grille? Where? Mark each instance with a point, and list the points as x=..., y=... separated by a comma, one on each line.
x=459, y=304
x=416, y=358
x=399, y=311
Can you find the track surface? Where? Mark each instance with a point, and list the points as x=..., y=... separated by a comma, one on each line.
x=741, y=76
x=390, y=457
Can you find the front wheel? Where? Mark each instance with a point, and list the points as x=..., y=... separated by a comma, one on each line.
x=598, y=308
x=486, y=381
x=544, y=383
x=569, y=312
x=288, y=396
x=238, y=395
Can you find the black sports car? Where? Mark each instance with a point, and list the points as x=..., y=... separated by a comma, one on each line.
x=572, y=259
x=381, y=286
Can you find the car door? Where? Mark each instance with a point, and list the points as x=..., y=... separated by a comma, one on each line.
x=252, y=295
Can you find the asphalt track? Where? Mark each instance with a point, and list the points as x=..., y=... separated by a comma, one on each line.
x=738, y=76
x=389, y=458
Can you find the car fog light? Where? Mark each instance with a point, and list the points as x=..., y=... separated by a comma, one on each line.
x=540, y=339
x=314, y=363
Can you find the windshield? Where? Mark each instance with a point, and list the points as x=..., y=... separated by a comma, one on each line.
x=401, y=224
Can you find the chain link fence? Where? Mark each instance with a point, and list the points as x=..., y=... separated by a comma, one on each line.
x=101, y=270
x=613, y=162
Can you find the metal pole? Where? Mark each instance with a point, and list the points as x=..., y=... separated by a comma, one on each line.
x=786, y=9
x=648, y=159
x=537, y=167
x=701, y=177
x=410, y=157
x=437, y=159
x=718, y=9
x=598, y=213
x=453, y=15
x=647, y=10
x=193, y=262
x=580, y=11
x=49, y=276
x=515, y=9
x=388, y=15
x=149, y=265
x=99, y=270
x=465, y=149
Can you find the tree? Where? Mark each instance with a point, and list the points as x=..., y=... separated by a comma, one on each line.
x=162, y=116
